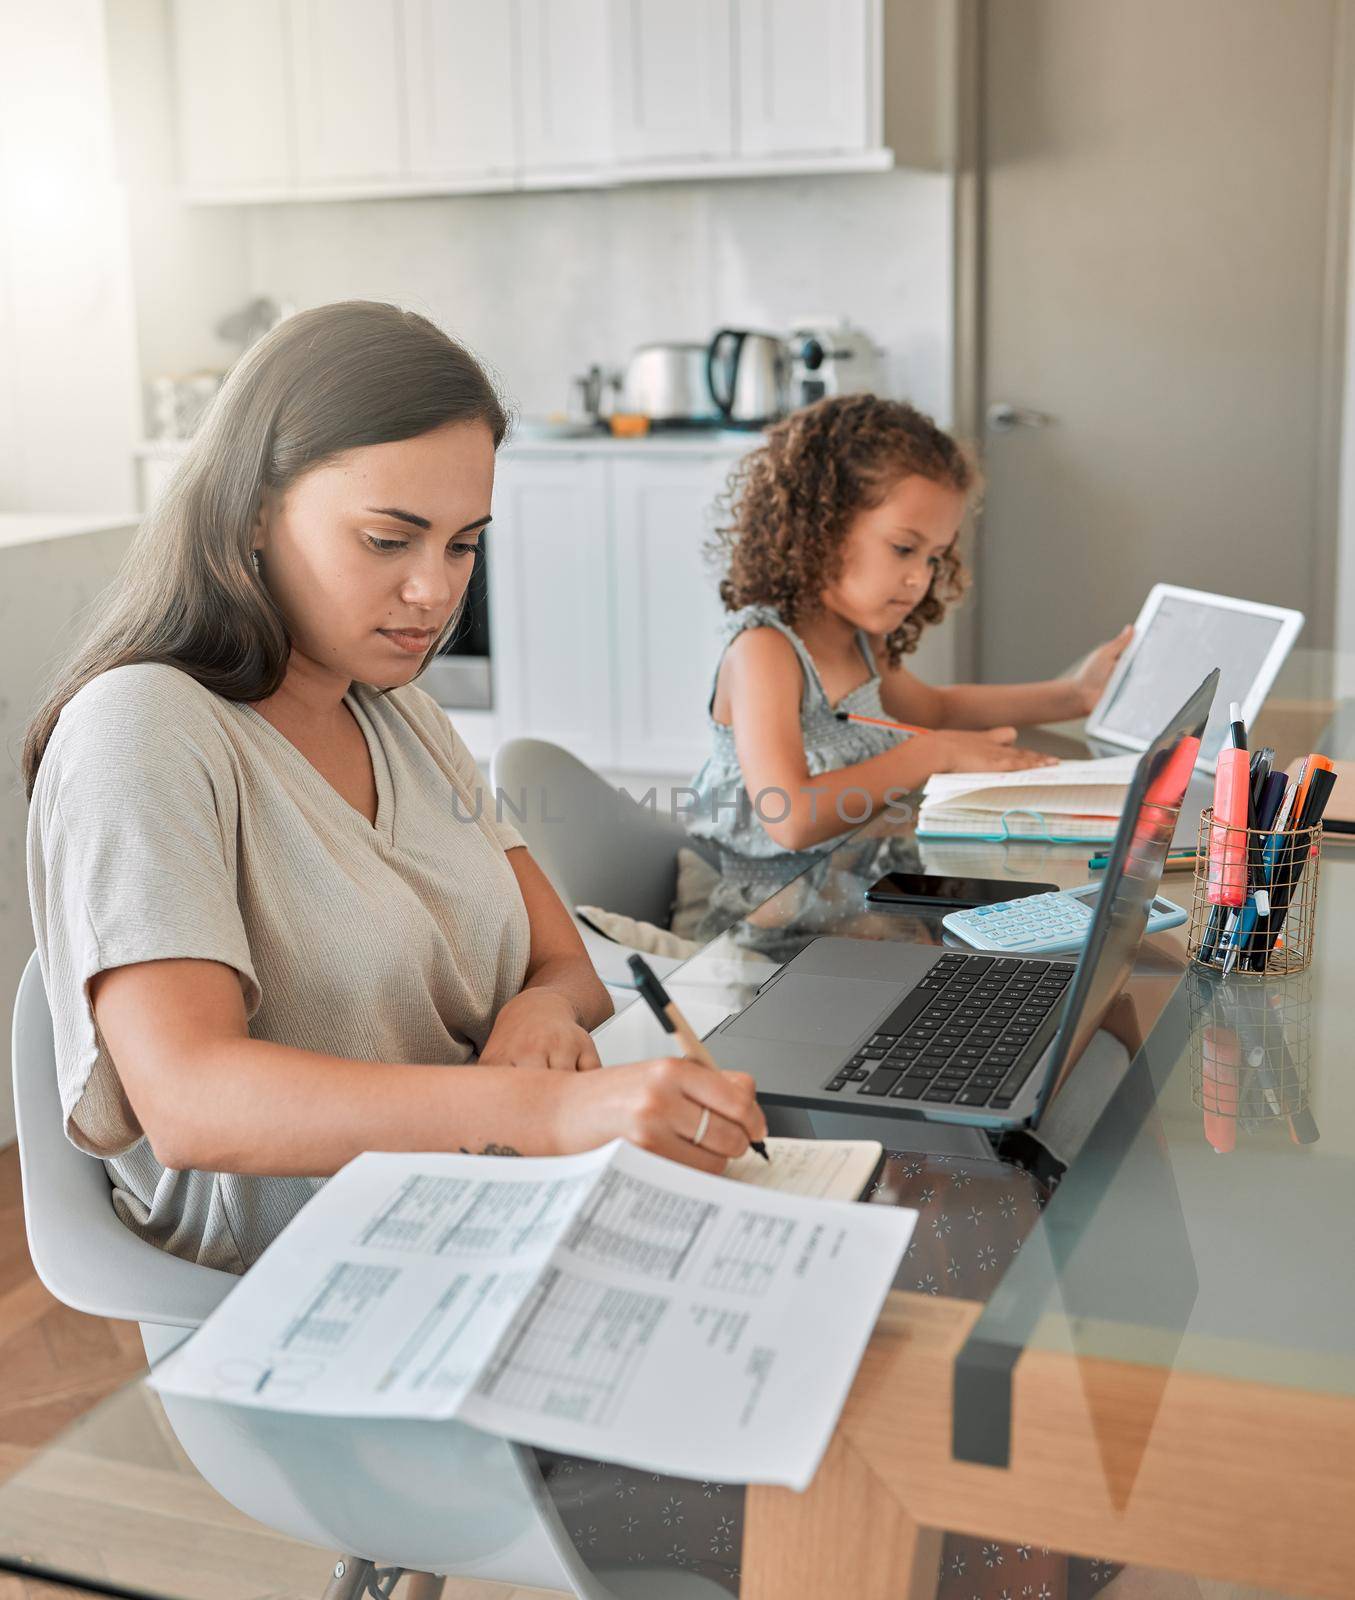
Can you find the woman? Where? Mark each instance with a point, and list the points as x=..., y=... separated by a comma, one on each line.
x=270, y=908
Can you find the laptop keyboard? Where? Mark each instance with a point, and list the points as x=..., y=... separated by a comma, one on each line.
x=964, y=1036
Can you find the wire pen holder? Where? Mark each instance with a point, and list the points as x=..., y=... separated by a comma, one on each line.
x=1272, y=878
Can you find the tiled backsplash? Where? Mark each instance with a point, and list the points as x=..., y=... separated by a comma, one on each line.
x=541, y=285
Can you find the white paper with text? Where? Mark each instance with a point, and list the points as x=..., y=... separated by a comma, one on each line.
x=611, y=1304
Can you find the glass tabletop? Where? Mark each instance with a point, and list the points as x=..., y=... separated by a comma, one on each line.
x=1180, y=1234
x=1206, y=1221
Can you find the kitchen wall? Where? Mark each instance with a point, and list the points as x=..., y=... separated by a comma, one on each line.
x=543, y=284
x=69, y=410
x=52, y=574
x=1345, y=553
x=191, y=262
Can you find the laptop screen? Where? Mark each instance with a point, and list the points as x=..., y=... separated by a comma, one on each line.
x=1133, y=876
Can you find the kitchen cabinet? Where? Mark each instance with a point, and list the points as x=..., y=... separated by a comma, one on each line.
x=566, y=85
x=232, y=67
x=461, y=88
x=666, y=609
x=671, y=80
x=604, y=615
x=549, y=603
x=348, y=88
x=325, y=99
x=803, y=84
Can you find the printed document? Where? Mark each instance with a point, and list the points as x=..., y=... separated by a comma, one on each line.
x=610, y=1304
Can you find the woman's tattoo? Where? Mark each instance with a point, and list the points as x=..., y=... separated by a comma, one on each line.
x=493, y=1150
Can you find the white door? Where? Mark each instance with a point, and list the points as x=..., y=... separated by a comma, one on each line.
x=234, y=97
x=667, y=609
x=671, y=79
x=460, y=80
x=347, y=79
x=803, y=76
x=565, y=73
x=549, y=603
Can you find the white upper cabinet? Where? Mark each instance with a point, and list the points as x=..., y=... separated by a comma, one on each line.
x=234, y=96
x=803, y=85
x=347, y=80
x=306, y=99
x=565, y=60
x=460, y=83
x=671, y=79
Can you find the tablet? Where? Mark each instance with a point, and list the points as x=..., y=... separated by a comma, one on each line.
x=1179, y=637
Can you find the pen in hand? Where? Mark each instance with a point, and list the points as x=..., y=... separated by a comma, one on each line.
x=671, y=1020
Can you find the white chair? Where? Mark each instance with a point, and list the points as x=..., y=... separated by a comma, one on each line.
x=597, y=846
x=446, y=1499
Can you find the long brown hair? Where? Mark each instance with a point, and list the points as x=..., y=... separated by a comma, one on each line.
x=789, y=504
x=324, y=381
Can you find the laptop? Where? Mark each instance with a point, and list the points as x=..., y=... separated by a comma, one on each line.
x=926, y=1031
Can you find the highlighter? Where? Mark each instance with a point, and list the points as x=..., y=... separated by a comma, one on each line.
x=1227, y=882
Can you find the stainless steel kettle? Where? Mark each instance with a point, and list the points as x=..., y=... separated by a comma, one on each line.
x=749, y=376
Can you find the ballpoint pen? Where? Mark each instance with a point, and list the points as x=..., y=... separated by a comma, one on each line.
x=1320, y=780
x=671, y=1020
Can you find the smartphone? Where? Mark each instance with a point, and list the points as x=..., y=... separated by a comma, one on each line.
x=924, y=889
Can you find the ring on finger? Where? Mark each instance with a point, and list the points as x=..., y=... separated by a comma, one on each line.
x=701, y=1126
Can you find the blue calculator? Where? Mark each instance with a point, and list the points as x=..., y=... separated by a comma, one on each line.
x=1045, y=924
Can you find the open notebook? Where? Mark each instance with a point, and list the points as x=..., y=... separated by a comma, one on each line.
x=828, y=1169
x=1072, y=802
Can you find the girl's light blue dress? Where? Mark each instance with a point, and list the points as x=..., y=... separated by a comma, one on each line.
x=723, y=811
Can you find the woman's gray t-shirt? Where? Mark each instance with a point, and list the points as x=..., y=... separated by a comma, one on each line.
x=169, y=822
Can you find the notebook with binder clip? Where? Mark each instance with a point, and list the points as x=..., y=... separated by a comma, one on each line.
x=1072, y=802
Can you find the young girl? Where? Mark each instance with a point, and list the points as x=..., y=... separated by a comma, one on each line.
x=841, y=548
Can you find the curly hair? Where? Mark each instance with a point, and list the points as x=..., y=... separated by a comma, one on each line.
x=790, y=502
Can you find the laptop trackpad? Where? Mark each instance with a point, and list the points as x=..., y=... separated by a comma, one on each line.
x=805, y=1009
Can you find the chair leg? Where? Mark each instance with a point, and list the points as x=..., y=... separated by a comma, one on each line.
x=349, y=1579
x=423, y=1586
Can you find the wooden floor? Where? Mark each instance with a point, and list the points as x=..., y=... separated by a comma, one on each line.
x=56, y=1363
x=116, y=1499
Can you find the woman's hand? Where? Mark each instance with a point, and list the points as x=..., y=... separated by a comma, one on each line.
x=538, y=1029
x=1094, y=674
x=659, y=1106
x=994, y=750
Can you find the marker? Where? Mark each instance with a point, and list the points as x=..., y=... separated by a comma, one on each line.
x=671, y=1020
x=1236, y=727
x=880, y=722
x=1228, y=836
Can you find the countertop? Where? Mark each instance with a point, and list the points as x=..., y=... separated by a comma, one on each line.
x=535, y=438
x=38, y=527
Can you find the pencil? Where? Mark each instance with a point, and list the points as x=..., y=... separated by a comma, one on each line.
x=664, y=1007
x=880, y=722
